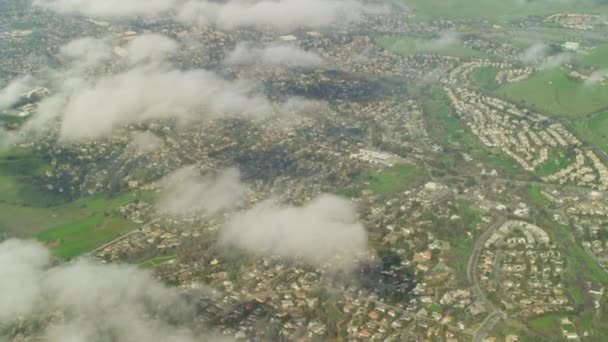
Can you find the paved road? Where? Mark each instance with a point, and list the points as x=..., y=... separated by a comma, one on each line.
x=496, y=314
x=105, y=245
x=486, y=326
x=474, y=259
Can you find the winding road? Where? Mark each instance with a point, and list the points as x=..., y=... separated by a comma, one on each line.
x=496, y=314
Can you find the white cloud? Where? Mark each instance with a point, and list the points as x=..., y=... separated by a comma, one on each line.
x=145, y=86
x=597, y=77
x=11, y=94
x=87, y=52
x=324, y=231
x=539, y=54
x=21, y=263
x=555, y=61
x=100, y=302
x=150, y=47
x=445, y=39
x=109, y=8
x=535, y=53
x=246, y=53
x=92, y=108
x=281, y=14
x=145, y=142
x=188, y=193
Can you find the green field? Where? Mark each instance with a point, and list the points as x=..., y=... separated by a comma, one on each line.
x=20, y=170
x=71, y=227
x=459, y=254
x=535, y=194
x=390, y=179
x=598, y=57
x=548, y=324
x=485, y=78
x=406, y=45
x=553, y=92
x=95, y=226
x=543, y=322
x=75, y=238
x=556, y=162
x=457, y=137
x=576, y=294
x=497, y=9
x=595, y=129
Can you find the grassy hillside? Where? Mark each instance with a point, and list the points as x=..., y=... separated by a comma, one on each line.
x=595, y=129
x=498, y=9
x=553, y=92
x=28, y=209
x=597, y=57
x=406, y=45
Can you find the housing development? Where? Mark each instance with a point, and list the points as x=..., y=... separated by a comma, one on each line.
x=290, y=170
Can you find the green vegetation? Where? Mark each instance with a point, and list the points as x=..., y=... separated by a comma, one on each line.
x=390, y=179
x=534, y=192
x=95, y=226
x=435, y=308
x=70, y=228
x=75, y=238
x=459, y=253
x=554, y=92
x=20, y=183
x=576, y=294
x=458, y=138
x=471, y=217
x=555, y=163
x=497, y=9
x=544, y=321
x=406, y=45
x=485, y=78
x=497, y=158
x=504, y=329
x=578, y=261
x=581, y=268
x=580, y=265
x=331, y=311
x=455, y=135
x=571, y=328
x=595, y=129
x=155, y=262
x=548, y=324
x=597, y=58
x=551, y=325
x=461, y=245
x=24, y=201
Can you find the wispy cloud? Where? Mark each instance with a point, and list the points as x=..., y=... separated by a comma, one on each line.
x=144, y=87
x=246, y=53
x=324, y=231
x=13, y=92
x=282, y=14
x=185, y=192
x=99, y=302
